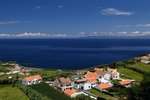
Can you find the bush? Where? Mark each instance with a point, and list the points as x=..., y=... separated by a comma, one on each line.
x=32, y=94
x=50, y=92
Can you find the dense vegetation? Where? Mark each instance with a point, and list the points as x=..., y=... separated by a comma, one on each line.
x=49, y=91
x=31, y=93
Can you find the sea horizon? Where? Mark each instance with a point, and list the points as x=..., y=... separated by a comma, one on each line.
x=70, y=53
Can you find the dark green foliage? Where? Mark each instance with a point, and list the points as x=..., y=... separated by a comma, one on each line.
x=100, y=98
x=32, y=94
x=82, y=97
x=50, y=92
x=145, y=84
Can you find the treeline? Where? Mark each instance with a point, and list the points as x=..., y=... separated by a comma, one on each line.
x=124, y=63
x=50, y=92
x=31, y=93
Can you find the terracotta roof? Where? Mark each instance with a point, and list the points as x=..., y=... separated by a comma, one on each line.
x=69, y=92
x=111, y=69
x=104, y=86
x=92, y=74
x=33, y=77
x=81, y=80
x=125, y=82
x=92, y=80
x=144, y=57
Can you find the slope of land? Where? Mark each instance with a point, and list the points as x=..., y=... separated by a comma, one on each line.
x=7, y=92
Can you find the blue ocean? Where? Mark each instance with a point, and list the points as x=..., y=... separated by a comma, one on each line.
x=70, y=53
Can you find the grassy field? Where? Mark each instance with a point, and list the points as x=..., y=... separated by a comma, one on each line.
x=8, y=92
x=141, y=66
x=131, y=74
x=100, y=94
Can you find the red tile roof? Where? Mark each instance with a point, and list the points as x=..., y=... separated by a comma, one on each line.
x=125, y=82
x=92, y=80
x=92, y=74
x=104, y=86
x=144, y=57
x=33, y=77
x=69, y=92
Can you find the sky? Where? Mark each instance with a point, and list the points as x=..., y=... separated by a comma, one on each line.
x=75, y=16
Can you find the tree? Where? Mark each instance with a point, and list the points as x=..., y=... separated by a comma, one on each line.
x=145, y=84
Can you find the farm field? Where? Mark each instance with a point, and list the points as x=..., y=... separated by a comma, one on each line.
x=131, y=74
x=8, y=92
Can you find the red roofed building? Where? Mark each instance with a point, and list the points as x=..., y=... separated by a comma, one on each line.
x=145, y=58
x=82, y=84
x=113, y=73
x=103, y=86
x=92, y=78
x=126, y=83
x=71, y=93
x=32, y=80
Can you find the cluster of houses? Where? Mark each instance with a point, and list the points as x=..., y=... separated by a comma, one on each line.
x=99, y=79
x=145, y=59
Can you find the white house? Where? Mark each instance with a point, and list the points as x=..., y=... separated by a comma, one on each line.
x=32, y=80
x=82, y=84
x=103, y=80
x=113, y=73
x=92, y=78
x=104, y=77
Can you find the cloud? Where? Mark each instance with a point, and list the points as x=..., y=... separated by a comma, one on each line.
x=38, y=7
x=61, y=6
x=143, y=25
x=124, y=25
x=137, y=25
x=9, y=22
x=13, y=22
x=113, y=11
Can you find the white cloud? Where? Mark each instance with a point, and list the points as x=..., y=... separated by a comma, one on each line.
x=38, y=7
x=113, y=11
x=124, y=25
x=13, y=22
x=61, y=6
x=136, y=32
x=147, y=25
x=9, y=22
x=81, y=34
x=143, y=25
x=123, y=32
